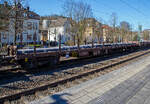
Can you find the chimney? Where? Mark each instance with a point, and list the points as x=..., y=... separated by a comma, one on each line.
x=28, y=8
x=5, y=4
x=19, y=5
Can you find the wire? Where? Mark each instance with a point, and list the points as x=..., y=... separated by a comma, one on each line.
x=137, y=10
x=110, y=8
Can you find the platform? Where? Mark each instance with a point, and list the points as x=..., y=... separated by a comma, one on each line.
x=127, y=85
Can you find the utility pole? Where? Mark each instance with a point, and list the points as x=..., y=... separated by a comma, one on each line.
x=34, y=39
x=78, y=41
x=74, y=39
x=131, y=35
x=15, y=22
x=93, y=37
x=34, y=58
x=93, y=31
x=49, y=38
x=55, y=34
x=0, y=40
x=139, y=33
x=59, y=43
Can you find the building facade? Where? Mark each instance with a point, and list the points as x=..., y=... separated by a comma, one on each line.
x=26, y=31
x=107, y=33
x=93, y=31
x=55, y=28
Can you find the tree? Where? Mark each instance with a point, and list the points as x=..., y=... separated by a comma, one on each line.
x=4, y=12
x=97, y=30
x=146, y=35
x=77, y=12
x=125, y=25
x=113, y=23
x=125, y=31
x=4, y=21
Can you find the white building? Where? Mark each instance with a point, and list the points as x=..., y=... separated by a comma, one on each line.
x=55, y=28
x=29, y=31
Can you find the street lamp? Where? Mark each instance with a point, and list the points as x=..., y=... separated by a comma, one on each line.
x=59, y=43
x=55, y=34
x=49, y=38
x=34, y=39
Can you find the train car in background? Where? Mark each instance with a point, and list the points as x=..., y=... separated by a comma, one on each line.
x=29, y=58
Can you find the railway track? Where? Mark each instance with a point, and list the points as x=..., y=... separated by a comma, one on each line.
x=7, y=72
x=73, y=76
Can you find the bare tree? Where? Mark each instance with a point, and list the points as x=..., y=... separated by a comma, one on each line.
x=4, y=11
x=125, y=30
x=99, y=31
x=146, y=35
x=96, y=30
x=77, y=13
x=113, y=22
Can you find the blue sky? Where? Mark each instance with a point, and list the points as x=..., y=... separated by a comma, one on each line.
x=133, y=11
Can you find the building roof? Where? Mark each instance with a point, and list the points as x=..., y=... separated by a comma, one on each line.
x=6, y=9
x=105, y=26
x=33, y=15
x=53, y=21
x=147, y=30
x=58, y=22
x=92, y=21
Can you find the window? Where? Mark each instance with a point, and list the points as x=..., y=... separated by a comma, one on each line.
x=4, y=36
x=33, y=25
x=20, y=24
x=29, y=37
x=29, y=25
x=18, y=37
x=36, y=26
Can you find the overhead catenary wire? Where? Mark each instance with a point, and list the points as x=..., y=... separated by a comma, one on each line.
x=103, y=4
x=132, y=7
x=111, y=8
x=137, y=10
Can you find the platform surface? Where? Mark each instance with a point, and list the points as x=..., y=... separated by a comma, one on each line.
x=127, y=85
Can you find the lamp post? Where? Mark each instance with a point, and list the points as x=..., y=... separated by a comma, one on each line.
x=0, y=38
x=59, y=43
x=34, y=57
x=74, y=39
x=49, y=38
x=139, y=33
x=93, y=37
x=78, y=41
x=34, y=39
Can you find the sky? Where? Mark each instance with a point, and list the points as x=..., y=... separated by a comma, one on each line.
x=136, y=12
